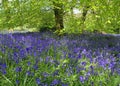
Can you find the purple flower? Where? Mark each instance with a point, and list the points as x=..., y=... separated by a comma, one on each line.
x=118, y=71
x=45, y=74
x=18, y=69
x=35, y=67
x=35, y=54
x=64, y=85
x=55, y=82
x=28, y=73
x=91, y=67
x=82, y=79
x=102, y=64
x=3, y=66
x=84, y=63
x=3, y=71
x=47, y=59
x=38, y=81
x=56, y=72
x=112, y=64
x=88, y=74
x=79, y=56
x=84, y=52
x=78, y=70
x=17, y=81
x=29, y=63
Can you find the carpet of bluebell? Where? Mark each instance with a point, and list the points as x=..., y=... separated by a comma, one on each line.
x=44, y=59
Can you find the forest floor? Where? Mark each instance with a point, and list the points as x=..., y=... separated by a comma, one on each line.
x=46, y=59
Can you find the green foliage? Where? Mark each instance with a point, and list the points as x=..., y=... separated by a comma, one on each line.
x=102, y=15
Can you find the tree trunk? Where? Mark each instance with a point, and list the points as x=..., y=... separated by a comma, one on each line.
x=83, y=18
x=85, y=10
x=6, y=11
x=58, y=12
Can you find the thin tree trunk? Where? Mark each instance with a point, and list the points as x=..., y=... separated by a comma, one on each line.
x=71, y=10
x=58, y=12
x=83, y=18
x=7, y=12
x=85, y=10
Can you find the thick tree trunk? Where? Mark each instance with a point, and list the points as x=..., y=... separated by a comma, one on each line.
x=58, y=12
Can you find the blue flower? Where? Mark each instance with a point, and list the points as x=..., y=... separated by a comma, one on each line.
x=83, y=63
x=17, y=81
x=45, y=74
x=82, y=79
x=55, y=82
x=3, y=71
x=18, y=69
x=64, y=85
x=29, y=63
x=56, y=72
x=28, y=73
x=4, y=66
x=38, y=81
x=35, y=67
x=79, y=56
x=84, y=52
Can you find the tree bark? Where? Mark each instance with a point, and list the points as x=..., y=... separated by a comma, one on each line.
x=7, y=12
x=85, y=10
x=83, y=18
x=58, y=12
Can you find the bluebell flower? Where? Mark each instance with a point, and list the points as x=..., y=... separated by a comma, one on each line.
x=35, y=54
x=28, y=73
x=4, y=66
x=118, y=71
x=38, y=81
x=29, y=63
x=83, y=63
x=102, y=63
x=84, y=52
x=55, y=82
x=45, y=74
x=27, y=49
x=35, y=67
x=47, y=59
x=17, y=61
x=82, y=79
x=78, y=69
x=18, y=69
x=3, y=71
x=91, y=67
x=79, y=56
x=88, y=73
x=64, y=85
x=70, y=55
x=56, y=72
x=17, y=81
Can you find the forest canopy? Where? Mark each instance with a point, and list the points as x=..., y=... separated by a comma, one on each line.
x=71, y=16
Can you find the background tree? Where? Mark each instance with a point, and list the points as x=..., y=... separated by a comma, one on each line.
x=100, y=15
x=58, y=12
